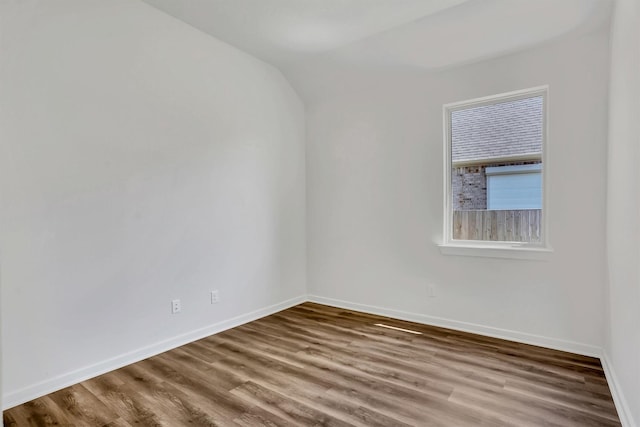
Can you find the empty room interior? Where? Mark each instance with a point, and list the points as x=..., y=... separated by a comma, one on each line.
x=320, y=212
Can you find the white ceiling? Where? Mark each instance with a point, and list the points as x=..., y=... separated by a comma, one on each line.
x=478, y=29
x=277, y=29
x=423, y=33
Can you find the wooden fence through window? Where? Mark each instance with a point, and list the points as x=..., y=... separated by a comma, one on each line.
x=498, y=225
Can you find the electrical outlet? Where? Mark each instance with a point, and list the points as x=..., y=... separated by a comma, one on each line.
x=175, y=306
x=215, y=297
x=431, y=291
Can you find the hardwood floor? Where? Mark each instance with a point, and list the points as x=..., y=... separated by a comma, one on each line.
x=314, y=365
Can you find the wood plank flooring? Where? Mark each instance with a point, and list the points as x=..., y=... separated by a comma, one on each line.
x=313, y=365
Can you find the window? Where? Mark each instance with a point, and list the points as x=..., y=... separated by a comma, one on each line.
x=494, y=171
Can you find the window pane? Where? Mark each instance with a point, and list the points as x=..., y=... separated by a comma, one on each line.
x=497, y=130
x=496, y=180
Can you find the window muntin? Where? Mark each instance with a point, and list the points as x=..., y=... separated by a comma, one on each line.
x=494, y=183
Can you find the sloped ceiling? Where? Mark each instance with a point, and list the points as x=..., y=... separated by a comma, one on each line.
x=429, y=34
x=477, y=30
x=280, y=30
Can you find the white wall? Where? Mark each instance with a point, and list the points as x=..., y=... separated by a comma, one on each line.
x=374, y=196
x=141, y=161
x=623, y=210
x=1, y=393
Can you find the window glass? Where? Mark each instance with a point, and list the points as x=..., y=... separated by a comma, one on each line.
x=496, y=168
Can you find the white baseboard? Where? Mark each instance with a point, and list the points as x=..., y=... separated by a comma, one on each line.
x=622, y=406
x=31, y=392
x=521, y=337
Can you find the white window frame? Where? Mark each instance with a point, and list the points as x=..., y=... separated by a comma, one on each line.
x=486, y=248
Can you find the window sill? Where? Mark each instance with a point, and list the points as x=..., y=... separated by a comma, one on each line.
x=531, y=253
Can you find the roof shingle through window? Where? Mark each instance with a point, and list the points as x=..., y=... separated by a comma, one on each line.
x=511, y=128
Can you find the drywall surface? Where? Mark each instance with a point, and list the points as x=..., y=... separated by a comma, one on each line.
x=141, y=161
x=623, y=208
x=1, y=394
x=375, y=195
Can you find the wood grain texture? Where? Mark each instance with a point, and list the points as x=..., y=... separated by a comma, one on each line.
x=521, y=225
x=314, y=365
